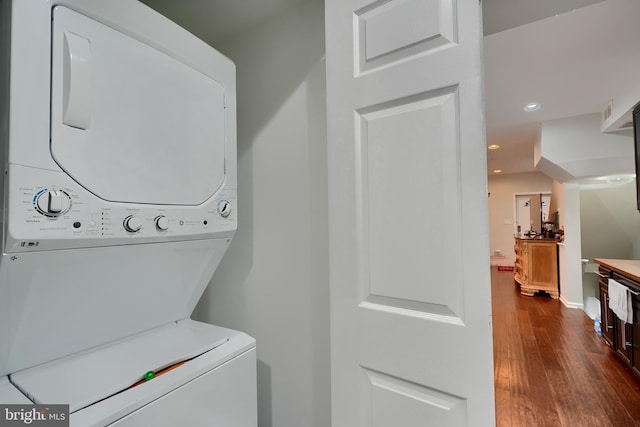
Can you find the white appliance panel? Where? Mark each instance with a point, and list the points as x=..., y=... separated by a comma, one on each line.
x=90, y=221
x=225, y=396
x=120, y=364
x=130, y=123
x=64, y=301
x=96, y=383
x=11, y=395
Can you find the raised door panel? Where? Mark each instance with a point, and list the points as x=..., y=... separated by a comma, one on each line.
x=606, y=316
x=624, y=334
x=419, y=26
x=543, y=266
x=635, y=335
x=404, y=147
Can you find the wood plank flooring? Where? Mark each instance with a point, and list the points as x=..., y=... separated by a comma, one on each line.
x=551, y=368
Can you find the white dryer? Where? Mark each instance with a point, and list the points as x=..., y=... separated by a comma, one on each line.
x=118, y=134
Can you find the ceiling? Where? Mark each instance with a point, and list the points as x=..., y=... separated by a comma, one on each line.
x=573, y=63
x=501, y=15
x=571, y=56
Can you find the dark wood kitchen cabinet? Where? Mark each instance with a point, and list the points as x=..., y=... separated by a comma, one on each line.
x=624, y=338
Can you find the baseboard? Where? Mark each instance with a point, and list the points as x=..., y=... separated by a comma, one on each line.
x=571, y=304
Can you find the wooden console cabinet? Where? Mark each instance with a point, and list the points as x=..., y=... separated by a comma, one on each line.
x=536, y=266
x=624, y=338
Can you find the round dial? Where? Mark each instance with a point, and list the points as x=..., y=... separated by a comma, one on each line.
x=224, y=208
x=53, y=203
x=162, y=223
x=132, y=224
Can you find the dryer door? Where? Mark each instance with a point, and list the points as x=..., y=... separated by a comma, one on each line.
x=130, y=123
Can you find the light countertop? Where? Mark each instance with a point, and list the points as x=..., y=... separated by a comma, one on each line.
x=626, y=267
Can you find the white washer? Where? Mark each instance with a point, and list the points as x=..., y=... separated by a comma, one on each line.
x=119, y=200
x=213, y=383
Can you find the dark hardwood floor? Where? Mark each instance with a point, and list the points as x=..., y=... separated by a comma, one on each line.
x=551, y=368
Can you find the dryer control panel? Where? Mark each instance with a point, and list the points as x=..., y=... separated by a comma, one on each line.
x=57, y=213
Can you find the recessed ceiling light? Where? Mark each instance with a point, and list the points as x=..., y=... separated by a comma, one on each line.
x=497, y=170
x=619, y=180
x=493, y=147
x=532, y=106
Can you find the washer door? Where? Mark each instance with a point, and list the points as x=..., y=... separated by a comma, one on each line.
x=130, y=123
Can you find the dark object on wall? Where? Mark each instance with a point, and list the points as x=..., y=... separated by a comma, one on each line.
x=636, y=145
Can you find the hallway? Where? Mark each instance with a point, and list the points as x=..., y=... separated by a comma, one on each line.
x=551, y=368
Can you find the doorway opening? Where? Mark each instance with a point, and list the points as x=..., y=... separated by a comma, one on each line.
x=531, y=212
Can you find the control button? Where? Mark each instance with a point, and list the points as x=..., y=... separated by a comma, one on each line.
x=53, y=203
x=132, y=224
x=224, y=208
x=162, y=223
x=77, y=224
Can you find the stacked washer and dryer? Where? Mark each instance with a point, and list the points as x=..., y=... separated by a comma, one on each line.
x=119, y=201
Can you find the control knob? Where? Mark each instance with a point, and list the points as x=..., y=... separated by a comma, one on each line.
x=162, y=223
x=132, y=224
x=224, y=208
x=53, y=203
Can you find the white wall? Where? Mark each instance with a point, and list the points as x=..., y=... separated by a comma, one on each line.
x=503, y=189
x=567, y=199
x=273, y=281
x=610, y=225
x=573, y=148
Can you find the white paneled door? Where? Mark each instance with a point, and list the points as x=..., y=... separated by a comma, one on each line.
x=410, y=279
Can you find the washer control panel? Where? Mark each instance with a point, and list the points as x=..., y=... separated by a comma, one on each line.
x=61, y=214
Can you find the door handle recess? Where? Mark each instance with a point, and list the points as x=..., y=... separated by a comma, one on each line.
x=76, y=81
